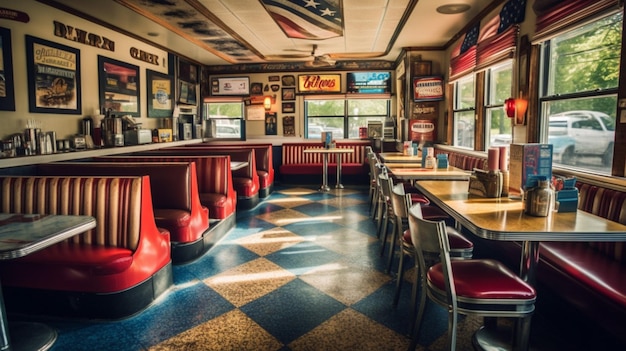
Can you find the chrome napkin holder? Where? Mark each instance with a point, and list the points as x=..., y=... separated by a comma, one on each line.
x=486, y=183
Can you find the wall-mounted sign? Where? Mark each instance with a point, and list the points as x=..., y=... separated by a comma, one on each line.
x=14, y=15
x=230, y=86
x=368, y=82
x=422, y=129
x=429, y=88
x=80, y=36
x=319, y=83
x=144, y=56
x=425, y=110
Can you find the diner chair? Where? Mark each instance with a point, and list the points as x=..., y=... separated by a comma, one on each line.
x=373, y=186
x=390, y=216
x=483, y=287
x=460, y=247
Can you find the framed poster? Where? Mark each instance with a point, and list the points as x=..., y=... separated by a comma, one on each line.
x=288, y=81
x=289, y=94
x=53, y=77
x=271, y=125
x=289, y=107
x=289, y=126
x=119, y=86
x=237, y=86
x=187, y=93
x=428, y=88
x=256, y=88
x=160, y=94
x=7, y=89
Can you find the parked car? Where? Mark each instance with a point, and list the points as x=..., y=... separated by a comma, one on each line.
x=581, y=133
x=223, y=131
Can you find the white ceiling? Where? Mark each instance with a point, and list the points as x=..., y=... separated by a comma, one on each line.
x=221, y=32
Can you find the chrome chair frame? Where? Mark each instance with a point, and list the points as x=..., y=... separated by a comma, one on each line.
x=431, y=236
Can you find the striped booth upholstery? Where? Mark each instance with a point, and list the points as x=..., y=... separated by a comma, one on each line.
x=296, y=162
x=263, y=155
x=215, y=180
x=120, y=255
x=178, y=210
x=464, y=161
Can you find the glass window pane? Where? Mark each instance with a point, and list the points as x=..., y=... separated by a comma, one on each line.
x=325, y=108
x=582, y=132
x=499, y=127
x=227, y=117
x=586, y=58
x=355, y=122
x=316, y=126
x=464, y=129
x=500, y=132
x=499, y=84
x=464, y=98
x=371, y=107
x=225, y=109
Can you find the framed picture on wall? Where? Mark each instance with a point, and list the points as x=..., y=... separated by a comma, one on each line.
x=53, y=77
x=160, y=94
x=289, y=107
x=119, y=86
x=7, y=94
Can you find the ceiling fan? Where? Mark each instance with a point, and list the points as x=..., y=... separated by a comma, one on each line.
x=324, y=60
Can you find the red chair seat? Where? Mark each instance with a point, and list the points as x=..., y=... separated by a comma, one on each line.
x=419, y=199
x=482, y=279
x=433, y=213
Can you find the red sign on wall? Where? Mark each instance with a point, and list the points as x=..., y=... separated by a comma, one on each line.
x=319, y=83
x=422, y=130
x=428, y=88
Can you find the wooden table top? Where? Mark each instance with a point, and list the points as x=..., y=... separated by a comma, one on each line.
x=504, y=219
x=416, y=172
x=398, y=157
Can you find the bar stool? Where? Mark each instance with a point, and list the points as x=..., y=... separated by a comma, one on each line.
x=477, y=286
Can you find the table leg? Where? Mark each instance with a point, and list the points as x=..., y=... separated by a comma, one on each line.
x=339, y=185
x=24, y=336
x=529, y=261
x=325, y=186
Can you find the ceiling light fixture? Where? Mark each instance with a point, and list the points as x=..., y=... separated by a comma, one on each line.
x=452, y=9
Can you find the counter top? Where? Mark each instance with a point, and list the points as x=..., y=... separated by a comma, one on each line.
x=74, y=155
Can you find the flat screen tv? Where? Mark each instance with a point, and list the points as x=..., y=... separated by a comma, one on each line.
x=368, y=82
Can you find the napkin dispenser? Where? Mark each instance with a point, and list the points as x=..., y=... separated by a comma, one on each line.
x=486, y=183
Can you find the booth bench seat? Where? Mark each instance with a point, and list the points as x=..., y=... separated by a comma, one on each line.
x=112, y=271
x=245, y=179
x=263, y=155
x=215, y=182
x=177, y=209
x=297, y=163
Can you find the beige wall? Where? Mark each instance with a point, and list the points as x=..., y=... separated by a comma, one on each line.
x=41, y=26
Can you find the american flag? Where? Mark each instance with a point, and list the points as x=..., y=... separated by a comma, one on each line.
x=307, y=19
x=512, y=12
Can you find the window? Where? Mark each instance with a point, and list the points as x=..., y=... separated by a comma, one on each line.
x=343, y=117
x=225, y=119
x=464, y=112
x=579, y=94
x=498, y=88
